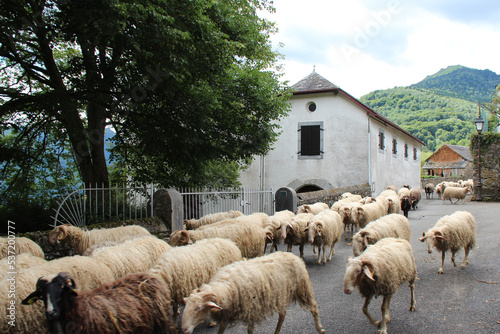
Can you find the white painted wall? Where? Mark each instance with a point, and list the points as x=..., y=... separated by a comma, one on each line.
x=350, y=150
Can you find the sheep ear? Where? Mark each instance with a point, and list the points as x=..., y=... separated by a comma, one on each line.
x=368, y=273
x=439, y=235
x=32, y=298
x=62, y=233
x=213, y=306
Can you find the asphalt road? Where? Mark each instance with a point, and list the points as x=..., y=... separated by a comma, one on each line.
x=460, y=301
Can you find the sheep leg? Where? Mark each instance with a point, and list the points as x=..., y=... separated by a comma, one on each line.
x=386, y=314
x=319, y=254
x=332, y=251
x=281, y=319
x=466, y=259
x=368, y=315
x=346, y=229
x=458, y=199
x=441, y=270
x=289, y=248
x=453, y=259
x=250, y=328
x=223, y=325
x=412, y=296
x=301, y=250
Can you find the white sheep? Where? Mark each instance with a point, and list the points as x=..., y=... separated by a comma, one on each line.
x=250, y=238
x=312, y=208
x=325, y=229
x=393, y=225
x=404, y=191
x=455, y=192
x=18, y=245
x=81, y=240
x=20, y=261
x=272, y=229
x=380, y=270
x=451, y=233
x=132, y=256
x=137, y=303
x=429, y=190
x=250, y=291
x=192, y=224
x=344, y=208
x=87, y=272
x=294, y=232
x=188, y=267
x=362, y=215
x=392, y=187
x=258, y=218
x=469, y=183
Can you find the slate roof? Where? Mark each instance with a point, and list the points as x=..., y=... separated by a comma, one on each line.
x=463, y=151
x=313, y=82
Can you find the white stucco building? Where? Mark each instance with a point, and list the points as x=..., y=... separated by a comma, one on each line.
x=332, y=140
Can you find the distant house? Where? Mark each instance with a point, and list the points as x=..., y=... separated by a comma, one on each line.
x=330, y=140
x=449, y=160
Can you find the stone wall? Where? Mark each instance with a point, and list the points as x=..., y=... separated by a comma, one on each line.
x=490, y=165
x=330, y=196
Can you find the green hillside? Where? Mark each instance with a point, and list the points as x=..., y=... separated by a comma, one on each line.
x=462, y=82
x=441, y=108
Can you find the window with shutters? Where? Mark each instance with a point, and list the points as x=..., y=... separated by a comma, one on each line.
x=406, y=151
x=394, y=146
x=310, y=140
x=414, y=153
x=381, y=140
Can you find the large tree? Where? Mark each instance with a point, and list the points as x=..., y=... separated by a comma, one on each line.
x=186, y=85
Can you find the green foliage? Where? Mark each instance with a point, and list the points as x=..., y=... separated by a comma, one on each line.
x=432, y=118
x=189, y=86
x=461, y=82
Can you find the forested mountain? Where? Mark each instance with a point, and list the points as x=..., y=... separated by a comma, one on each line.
x=462, y=82
x=439, y=109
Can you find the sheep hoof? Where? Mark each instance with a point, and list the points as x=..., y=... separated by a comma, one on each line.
x=412, y=308
x=441, y=271
x=212, y=324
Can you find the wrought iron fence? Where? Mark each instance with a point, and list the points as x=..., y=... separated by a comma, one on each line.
x=96, y=204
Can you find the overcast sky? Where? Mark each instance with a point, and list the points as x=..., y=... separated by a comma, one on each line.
x=365, y=45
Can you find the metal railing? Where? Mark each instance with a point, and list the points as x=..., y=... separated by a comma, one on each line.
x=95, y=204
x=200, y=202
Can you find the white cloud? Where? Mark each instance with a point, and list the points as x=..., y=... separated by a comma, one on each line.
x=362, y=46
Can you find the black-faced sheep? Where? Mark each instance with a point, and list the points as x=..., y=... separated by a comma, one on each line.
x=455, y=192
x=429, y=190
x=451, y=233
x=393, y=225
x=192, y=224
x=132, y=256
x=87, y=272
x=380, y=270
x=405, y=205
x=312, y=208
x=81, y=240
x=188, y=267
x=249, y=291
x=19, y=245
x=415, y=196
x=137, y=303
x=294, y=232
x=325, y=229
x=250, y=238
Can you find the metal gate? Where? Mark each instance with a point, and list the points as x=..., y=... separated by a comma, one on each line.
x=201, y=202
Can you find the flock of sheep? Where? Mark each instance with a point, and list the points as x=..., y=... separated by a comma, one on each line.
x=125, y=280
